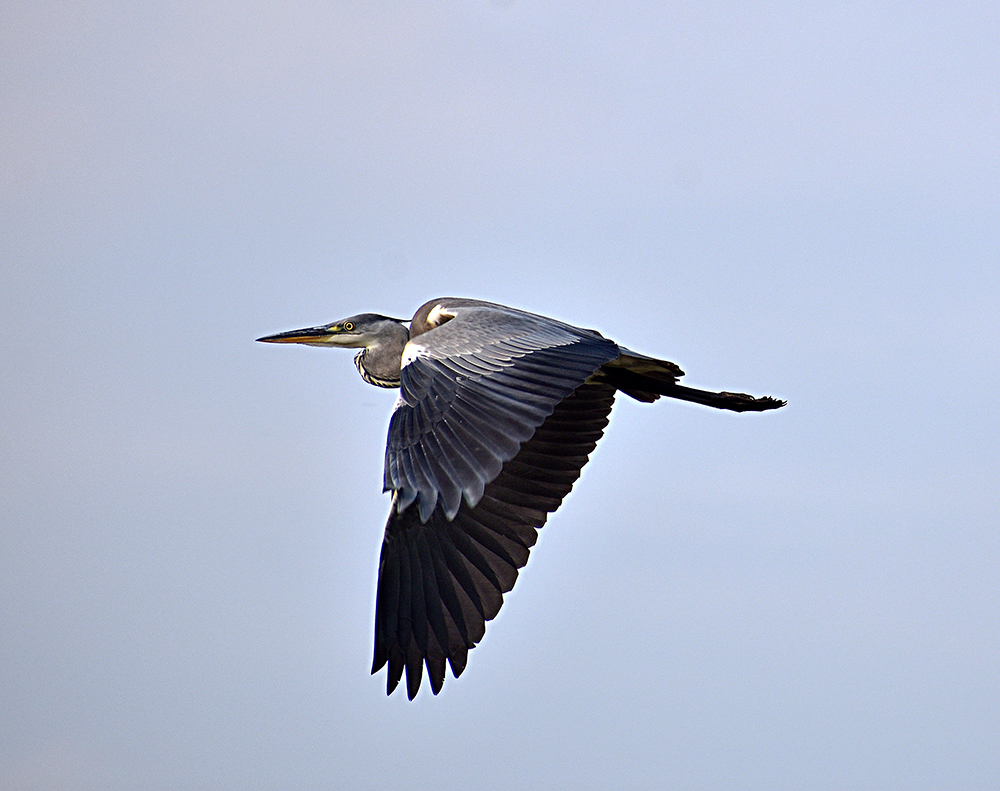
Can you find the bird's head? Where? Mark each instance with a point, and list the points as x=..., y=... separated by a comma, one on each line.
x=366, y=330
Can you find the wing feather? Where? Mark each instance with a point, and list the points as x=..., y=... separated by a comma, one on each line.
x=476, y=388
x=442, y=579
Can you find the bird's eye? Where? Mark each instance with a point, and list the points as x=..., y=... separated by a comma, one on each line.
x=349, y=326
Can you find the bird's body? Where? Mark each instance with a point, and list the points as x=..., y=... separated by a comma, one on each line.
x=498, y=412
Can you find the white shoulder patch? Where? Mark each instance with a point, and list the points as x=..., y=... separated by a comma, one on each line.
x=439, y=315
x=411, y=352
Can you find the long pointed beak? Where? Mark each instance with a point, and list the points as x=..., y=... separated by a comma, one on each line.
x=307, y=335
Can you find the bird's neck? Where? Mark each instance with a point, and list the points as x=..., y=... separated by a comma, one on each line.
x=380, y=363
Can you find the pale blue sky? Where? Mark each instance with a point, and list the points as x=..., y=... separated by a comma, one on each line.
x=791, y=199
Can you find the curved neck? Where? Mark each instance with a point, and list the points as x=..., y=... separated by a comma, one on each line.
x=380, y=362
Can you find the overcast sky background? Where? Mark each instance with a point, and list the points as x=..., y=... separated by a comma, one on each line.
x=800, y=200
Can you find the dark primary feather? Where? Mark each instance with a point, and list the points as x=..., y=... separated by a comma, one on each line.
x=441, y=580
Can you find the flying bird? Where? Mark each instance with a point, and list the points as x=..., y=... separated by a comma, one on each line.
x=499, y=409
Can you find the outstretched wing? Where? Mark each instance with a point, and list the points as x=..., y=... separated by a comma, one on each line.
x=474, y=388
x=442, y=578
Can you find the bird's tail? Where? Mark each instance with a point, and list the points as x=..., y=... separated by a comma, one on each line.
x=646, y=379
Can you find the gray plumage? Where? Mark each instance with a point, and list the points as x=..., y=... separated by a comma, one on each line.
x=499, y=410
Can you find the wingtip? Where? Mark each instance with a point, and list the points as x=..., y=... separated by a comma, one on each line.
x=414, y=674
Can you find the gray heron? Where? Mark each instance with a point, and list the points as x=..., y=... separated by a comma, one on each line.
x=498, y=412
